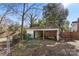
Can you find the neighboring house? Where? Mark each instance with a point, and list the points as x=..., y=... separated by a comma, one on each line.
x=75, y=26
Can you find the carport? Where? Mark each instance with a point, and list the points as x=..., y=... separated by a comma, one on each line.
x=44, y=33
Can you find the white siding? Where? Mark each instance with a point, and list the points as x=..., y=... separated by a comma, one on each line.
x=30, y=31
x=74, y=27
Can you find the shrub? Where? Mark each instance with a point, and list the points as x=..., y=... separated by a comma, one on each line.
x=24, y=36
x=29, y=37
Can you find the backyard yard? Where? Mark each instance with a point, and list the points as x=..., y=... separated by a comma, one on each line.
x=45, y=48
x=35, y=29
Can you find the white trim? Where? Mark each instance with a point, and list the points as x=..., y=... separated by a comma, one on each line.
x=43, y=29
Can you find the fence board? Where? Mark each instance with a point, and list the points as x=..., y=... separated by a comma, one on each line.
x=72, y=35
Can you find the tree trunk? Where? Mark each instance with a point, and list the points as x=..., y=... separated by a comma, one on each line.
x=22, y=21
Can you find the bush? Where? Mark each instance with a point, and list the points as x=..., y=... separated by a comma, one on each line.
x=27, y=36
x=24, y=36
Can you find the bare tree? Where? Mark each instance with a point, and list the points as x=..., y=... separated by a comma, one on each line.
x=23, y=14
x=25, y=10
x=21, y=10
x=8, y=10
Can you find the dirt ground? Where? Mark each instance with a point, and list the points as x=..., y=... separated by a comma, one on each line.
x=76, y=44
x=45, y=48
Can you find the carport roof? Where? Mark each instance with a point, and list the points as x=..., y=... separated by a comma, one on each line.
x=42, y=29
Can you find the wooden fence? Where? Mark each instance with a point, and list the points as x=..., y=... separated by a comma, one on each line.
x=71, y=35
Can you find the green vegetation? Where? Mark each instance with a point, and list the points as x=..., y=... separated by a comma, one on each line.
x=29, y=37
x=55, y=15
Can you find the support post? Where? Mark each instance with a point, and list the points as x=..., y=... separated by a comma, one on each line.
x=34, y=34
x=57, y=35
x=43, y=34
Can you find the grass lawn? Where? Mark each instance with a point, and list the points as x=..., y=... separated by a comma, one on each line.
x=42, y=48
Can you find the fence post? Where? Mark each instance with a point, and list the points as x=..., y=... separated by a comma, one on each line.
x=8, y=46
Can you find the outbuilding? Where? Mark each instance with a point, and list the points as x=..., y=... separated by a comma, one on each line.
x=43, y=33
